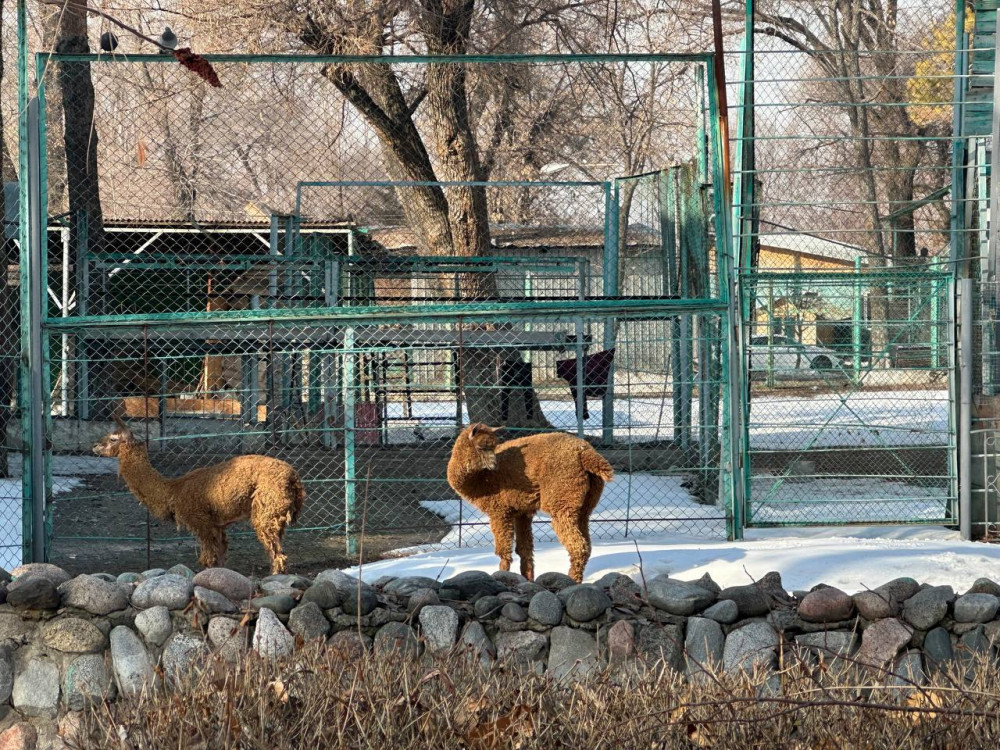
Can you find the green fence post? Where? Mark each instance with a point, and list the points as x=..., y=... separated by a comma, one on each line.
x=735, y=466
x=33, y=362
x=82, y=308
x=856, y=320
x=935, y=316
x=349, y=378
x=24, y=218
x=610, y=290
x=770, y=333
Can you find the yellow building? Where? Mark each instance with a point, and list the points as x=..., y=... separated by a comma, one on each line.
x=802, y=309
x=783, y=248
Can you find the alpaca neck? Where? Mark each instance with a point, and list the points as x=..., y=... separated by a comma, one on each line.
x=467, y=469
x=145, y=482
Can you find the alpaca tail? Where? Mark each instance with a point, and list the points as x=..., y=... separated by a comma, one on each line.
x=596, y=464
x=299, y=491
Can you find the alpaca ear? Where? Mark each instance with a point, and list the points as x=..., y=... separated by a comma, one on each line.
x=122, y=427
x=476, y=427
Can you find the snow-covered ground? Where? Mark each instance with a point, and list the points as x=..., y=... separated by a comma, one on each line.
x=866, y=419
x=66, y=471
x=11, y=525
x=641, y=504
x=851, y=559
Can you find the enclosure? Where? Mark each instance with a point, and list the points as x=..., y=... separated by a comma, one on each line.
x=341, y=260
x=351, y=326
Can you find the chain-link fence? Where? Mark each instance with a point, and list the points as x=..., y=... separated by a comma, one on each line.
x=236, y=225
x=849, y=417
x=845, y=146
x=304, y=286
x=366, y=408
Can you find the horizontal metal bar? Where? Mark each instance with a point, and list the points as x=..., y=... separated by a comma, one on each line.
x=378, y=315
x=928, y=77
x=832, y=139
x=696, y=57
x=449, y=183
x=846, y=277
x=755, y=524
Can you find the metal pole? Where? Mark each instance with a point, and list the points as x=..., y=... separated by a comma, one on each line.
x=734, y=463
x=719, y=69
x=82, y=309
x=610, y=290
x=350, y=489
x=770, y=332
x=856, y=320
x=34, y=474
x=935, y=315
x=965, y=410
x=64, y=369
x=581, y=395
x=994, y=236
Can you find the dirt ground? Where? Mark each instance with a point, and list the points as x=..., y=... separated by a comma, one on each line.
x=99, y=526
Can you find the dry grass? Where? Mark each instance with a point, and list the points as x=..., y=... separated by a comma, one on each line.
x=319, y=700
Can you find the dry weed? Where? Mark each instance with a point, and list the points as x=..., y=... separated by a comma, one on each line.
x=319, y=700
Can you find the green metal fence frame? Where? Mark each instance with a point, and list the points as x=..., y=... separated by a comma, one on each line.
x=734, y=227
x=955, y=274
x=36, y=421
x=940, y=277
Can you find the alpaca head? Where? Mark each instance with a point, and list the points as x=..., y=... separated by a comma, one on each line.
x=482, y=442
x=110, y=446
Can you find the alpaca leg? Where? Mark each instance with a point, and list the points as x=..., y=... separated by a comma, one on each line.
x=267, y=531
x=583, y=524
x=567, y=528
x=209, y=544
x=222, y=545
x=583, y=521
x=525, y=545
x=269, y=525
x=502, y=527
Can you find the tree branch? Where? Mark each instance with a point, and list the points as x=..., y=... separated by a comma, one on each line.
x=412, y=107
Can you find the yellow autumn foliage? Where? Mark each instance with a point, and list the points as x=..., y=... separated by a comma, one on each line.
x=930, y=90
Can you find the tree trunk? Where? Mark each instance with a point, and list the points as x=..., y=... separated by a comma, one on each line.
x=76, y=89
x=183, y=175
x=445, y=221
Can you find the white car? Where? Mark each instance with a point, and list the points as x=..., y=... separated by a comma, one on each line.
x=787, y=358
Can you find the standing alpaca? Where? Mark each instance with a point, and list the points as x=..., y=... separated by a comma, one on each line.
x=554, y=472
x=264, y=490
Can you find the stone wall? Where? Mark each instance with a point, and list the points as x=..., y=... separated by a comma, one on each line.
x=66, y=642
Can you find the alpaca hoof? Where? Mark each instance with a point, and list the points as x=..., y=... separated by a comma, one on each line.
x=279, y=565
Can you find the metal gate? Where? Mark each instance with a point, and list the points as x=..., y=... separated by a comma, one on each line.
x=848, y=381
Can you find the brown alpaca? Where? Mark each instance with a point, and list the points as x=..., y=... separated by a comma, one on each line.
x=510, y=482
x=264, y=490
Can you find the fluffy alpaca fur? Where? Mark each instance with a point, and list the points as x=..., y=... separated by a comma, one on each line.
x=554, y=472
x=264, y=490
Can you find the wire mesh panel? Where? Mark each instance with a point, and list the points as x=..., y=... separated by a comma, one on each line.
x=849, y=405
x=12, y=524
x=235, y=227
x=846, y=221
x=173, y=150
x=367, y=409
x=664, y=233
x=852, y=135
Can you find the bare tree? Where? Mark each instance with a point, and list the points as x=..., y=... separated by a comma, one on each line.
x=394, y=103
x=856, y=45
x=72, y=101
